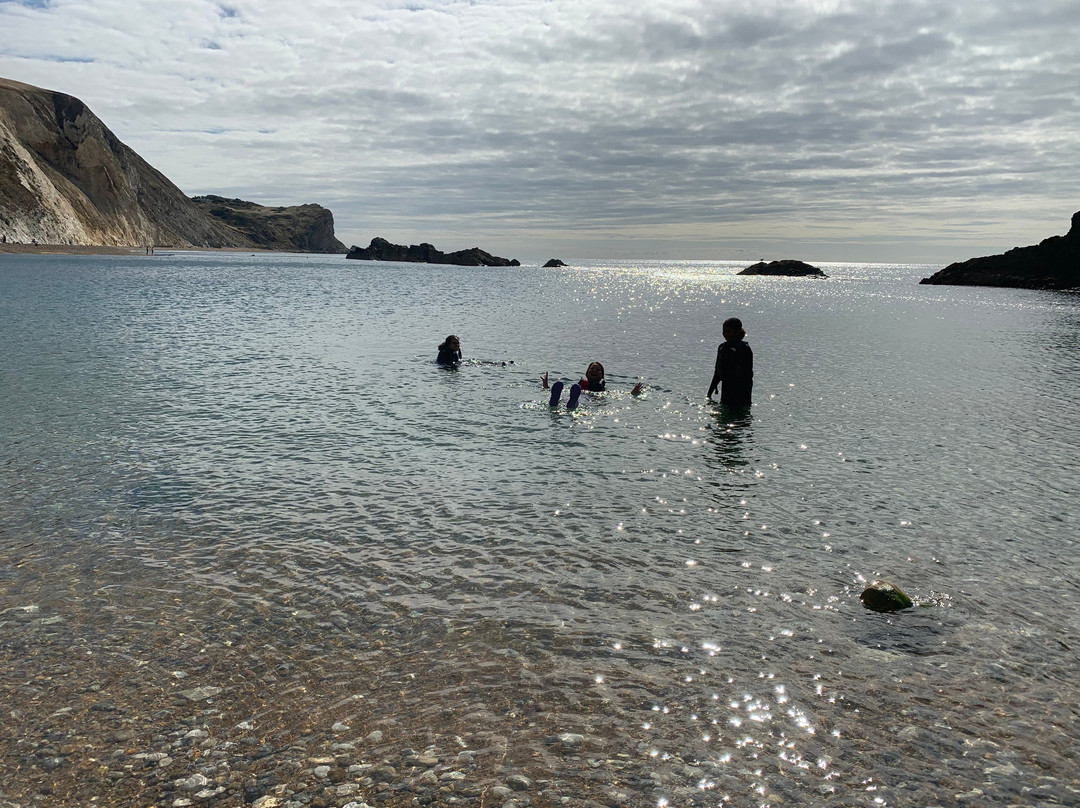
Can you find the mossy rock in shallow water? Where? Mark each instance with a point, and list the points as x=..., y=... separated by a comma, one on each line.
x=883, y=596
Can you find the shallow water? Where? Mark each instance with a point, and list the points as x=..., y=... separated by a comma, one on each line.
x=262, y=450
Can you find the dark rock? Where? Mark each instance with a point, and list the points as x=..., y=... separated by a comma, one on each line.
x=382, y=250
x=519, y=782
x=884, y=596
x=298, y=228
x=554, y=262
x=786, y=267
x=1052, y=264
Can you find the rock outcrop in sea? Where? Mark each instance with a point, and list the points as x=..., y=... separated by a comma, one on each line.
x=1053, y=263
x=554, y=262
x=885, y=596
x=786, y=267
x=65, y=178
x=382, y=250
x=297, y=228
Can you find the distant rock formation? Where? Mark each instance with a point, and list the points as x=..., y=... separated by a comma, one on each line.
x=554, y=262
x=786, y=267
x=298, y=228
x=382, y=250
x=66, y=179
x=1053, y=263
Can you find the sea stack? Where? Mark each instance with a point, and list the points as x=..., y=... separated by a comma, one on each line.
x=382, y=250
x=786, y=267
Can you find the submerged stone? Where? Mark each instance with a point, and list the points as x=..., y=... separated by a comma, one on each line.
x=884, y=596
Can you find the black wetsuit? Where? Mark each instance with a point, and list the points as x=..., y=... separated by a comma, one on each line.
x=734, y=372
x=448, y=357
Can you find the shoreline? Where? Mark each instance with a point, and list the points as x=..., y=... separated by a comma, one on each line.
x=100, y=249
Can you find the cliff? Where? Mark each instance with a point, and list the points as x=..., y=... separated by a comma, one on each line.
x=382, y=250
x=1053, y=263
x=298, y=228
x=66, y=179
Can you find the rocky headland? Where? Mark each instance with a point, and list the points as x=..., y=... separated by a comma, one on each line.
x=1053, y=263
x=382, y=250
x=66, y=179
x=296, y=228
x=786, y=267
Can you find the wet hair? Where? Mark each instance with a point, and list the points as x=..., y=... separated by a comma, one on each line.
x=446, y=343
x=735, y=324
x=601, y=383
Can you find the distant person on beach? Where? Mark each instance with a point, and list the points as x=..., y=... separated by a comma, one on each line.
x=450, y=351
x=734, y=373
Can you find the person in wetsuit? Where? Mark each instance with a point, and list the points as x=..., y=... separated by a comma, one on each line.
x=450, y=351
x=594, y=381
x=734, y=372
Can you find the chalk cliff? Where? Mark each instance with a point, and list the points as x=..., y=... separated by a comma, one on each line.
x=66, y=179
x=1053, y=263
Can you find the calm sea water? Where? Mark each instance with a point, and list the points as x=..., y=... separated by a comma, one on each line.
x=264, y=446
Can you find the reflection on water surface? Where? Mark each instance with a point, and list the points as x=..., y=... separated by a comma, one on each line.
x=248, y=474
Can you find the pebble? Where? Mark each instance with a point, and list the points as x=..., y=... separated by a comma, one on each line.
x=519, y=782
x=200, y=693
x=193, y=783
x=374, y=737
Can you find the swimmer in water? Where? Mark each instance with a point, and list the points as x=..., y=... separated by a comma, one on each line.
x=594, y=380
x=450, y=351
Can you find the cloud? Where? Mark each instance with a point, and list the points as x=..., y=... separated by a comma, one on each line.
x=528, y=123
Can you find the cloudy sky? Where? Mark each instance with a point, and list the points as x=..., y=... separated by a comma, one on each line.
x=829, y=130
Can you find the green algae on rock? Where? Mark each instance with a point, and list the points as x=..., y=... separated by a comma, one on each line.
x=884, y=596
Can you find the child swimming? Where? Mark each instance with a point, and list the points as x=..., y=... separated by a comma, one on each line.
x=594, y=381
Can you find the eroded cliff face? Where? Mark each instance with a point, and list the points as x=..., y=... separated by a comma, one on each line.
x=66, y=179
x=300, y=228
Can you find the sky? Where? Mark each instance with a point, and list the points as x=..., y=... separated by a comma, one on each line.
x=822, y=130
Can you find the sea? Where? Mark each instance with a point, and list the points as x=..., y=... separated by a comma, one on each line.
x=241, y=471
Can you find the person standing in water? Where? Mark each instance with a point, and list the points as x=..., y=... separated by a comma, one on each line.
x=734, y=373
x=450, y=351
